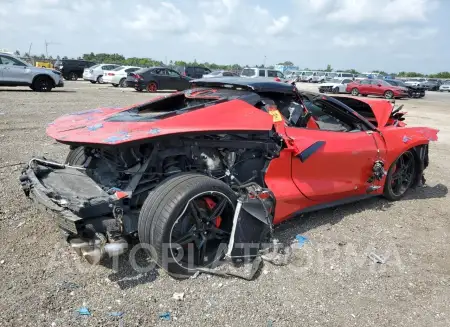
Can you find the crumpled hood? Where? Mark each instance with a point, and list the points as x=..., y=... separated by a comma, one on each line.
x=122, y=125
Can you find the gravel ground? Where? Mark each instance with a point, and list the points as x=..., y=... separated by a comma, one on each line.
x=330, y=281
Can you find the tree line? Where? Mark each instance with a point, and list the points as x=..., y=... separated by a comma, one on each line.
x=115, y=58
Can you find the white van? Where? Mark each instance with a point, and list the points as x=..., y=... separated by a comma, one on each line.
x=261, y=72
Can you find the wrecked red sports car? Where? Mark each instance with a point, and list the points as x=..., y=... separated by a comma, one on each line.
x=220, y=163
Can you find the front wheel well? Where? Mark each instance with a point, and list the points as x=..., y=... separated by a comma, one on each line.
x=43, y=76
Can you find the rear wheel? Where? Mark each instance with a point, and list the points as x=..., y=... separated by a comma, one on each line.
x=152, y=87
x=400, y=176
x=123, y=82
x=355, y=92
x=115, y=85
x=389, y=95
x=187, y=222
x=100, y=79
x=73, y=76
x=336, y=90
x=93, y=82
x=42, y=84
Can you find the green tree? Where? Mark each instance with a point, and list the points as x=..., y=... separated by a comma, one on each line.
x=329, y=69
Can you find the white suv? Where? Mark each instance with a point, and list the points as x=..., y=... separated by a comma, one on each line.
x=95, y=73
x=15, y=72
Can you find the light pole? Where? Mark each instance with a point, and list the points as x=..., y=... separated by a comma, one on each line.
x=264, y=64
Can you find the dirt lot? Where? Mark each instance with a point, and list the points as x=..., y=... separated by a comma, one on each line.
x=330, y=282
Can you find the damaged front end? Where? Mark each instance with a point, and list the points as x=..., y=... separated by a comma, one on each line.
x=90, y=217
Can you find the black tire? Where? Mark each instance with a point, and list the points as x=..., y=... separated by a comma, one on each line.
x=73, y=76
x=388, y=94
x=336, y=90
x=76, y=157
x=138, y=89
x=355, y=92
x=42, y=84
x=93, y=82
x=123, y=82
x=162, y=209
x=100, y=79
x=115, y=85
x=390, y=191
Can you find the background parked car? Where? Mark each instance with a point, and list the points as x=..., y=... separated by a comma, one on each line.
x=118, y=76
x=261, y=72
x=414, y=91
x=157, y=78
x=336, y=85
x=344, y=75
x=95, y=73
x=431, y=85
x=72, y=69
x=306, y=76
x=193, y=71
x=377, y=87
x=360, y=77
x=16, y=72
x=220, y=73
x=445, y=87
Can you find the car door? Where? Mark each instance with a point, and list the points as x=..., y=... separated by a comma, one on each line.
x=377, y=87
x=333, y=165
x=162, y=79
x=14, y=70
x=176, y=81
x=365, y=86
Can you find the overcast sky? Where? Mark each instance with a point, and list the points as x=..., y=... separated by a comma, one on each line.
x=390, y=35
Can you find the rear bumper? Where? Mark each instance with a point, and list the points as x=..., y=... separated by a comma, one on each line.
x=37, y=192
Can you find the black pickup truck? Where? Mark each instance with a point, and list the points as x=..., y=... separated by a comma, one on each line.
x=72, y=69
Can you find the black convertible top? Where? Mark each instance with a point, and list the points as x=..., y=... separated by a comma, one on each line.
x=253, y=84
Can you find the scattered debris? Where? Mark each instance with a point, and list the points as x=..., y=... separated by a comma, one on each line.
x=2, y=262
x=12, y=165
x=376, y=258
x=20, y=224
x=165, y=315
x=194, y=276
x=84, y=311
x=178, y=296
x=301, y=240
x=116, y=314
x=342, y=243
x=65, y=285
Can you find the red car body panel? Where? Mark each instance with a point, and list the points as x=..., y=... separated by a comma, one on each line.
x=379, y=89
x=339, y=167
x=90, y=127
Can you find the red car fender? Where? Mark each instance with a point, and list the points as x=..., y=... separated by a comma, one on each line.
x=401, y=139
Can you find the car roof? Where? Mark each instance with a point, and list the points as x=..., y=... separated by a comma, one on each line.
x=254, y=84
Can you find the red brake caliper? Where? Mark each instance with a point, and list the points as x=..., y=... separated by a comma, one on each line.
x=211, y=204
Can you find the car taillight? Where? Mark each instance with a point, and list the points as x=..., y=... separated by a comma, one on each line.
x=137, y=76
x=184, y=73
x=110, y=74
